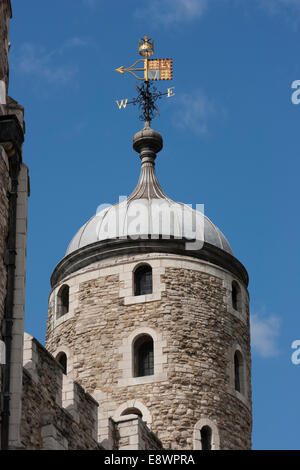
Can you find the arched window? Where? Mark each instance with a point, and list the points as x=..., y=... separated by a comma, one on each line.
x=143, y=356
x=62, y=301
x=62, y=359
x=132, y=411
x=143, y=280
x=236, y=296
x=238, y=372
x=135, y=407
x=206, y=435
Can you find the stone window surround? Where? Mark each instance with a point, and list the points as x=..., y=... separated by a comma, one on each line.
x=146, y=415
x=241, y=315
x=2, y=352
x=3, y=94
x=58, y=303
x=55, y=301
x=127, y=276
x=68, y=398
x=215, y=439
x=66, y=350
x=127, y=362
x=139, y=368
x=241, y=396
x=236, y=293
x=140, y=268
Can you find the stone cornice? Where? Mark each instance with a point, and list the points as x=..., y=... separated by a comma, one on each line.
x=117, y=247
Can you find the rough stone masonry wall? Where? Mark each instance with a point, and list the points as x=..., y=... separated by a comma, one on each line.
x=45, y=424
x=4, y=181
x=10, y=106
x=5, y=15
x=199, y=333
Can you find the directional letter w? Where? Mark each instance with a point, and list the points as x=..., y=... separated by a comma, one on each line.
x=122, y=103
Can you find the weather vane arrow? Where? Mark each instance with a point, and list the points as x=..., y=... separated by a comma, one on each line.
x=130, y=69
x=121, y=69
x=153, y=70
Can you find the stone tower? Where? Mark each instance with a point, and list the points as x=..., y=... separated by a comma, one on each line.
x=14, y=192
x=149, y=312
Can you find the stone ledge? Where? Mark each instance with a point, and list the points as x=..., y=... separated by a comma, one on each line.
x=126, y=382
x=101, y=250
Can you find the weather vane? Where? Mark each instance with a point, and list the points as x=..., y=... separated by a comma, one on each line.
x=153, y=70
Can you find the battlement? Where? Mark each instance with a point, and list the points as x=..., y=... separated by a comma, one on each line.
x=57, y=414
x=132, y=433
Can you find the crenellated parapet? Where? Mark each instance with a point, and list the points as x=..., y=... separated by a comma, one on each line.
x=57, y=413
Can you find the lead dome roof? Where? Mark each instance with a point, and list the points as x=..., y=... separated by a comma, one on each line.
x=148, y=211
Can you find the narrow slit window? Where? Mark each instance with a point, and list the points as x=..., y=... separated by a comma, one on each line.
x=62, y=359
x=143, y=356
x=143, y=280
x=63, y=301
x=236, y=296
x=206, y=436
x=238, y=372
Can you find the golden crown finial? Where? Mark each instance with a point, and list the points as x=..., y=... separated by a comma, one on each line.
x=146, y=47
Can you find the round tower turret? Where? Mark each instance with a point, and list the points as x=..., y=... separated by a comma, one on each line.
x=151, y=309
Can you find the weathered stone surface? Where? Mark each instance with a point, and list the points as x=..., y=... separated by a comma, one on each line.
x=45, y=424
x=4, y=182
x=131, y=433
x=4, y=207
x=200, y=332
x=12, y=140
x=5, y=15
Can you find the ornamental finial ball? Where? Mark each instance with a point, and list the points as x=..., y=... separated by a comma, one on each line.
x=146, y=47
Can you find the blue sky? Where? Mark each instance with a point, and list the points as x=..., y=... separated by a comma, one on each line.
x=230, y=143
